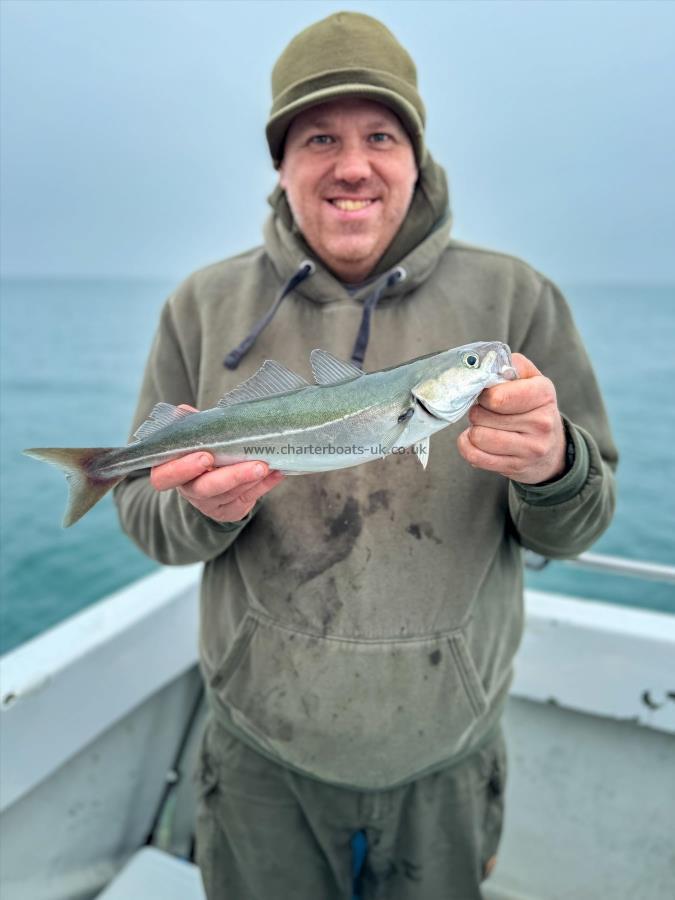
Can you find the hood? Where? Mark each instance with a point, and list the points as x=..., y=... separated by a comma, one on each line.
x=416, y=247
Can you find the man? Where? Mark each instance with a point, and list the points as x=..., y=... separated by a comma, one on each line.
x=358, y=627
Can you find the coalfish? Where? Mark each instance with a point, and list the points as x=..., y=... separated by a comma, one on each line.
x=348, y=417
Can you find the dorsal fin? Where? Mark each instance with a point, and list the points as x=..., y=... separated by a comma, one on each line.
x=162, y=414
x=328, y=369
x=270, y=379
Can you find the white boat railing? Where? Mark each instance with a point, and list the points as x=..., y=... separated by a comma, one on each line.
x=613, y=565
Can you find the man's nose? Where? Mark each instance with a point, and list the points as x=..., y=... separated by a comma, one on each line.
x=352, y=164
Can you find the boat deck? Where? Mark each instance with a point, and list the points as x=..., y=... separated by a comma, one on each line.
x=99, y=723
x=155, y=875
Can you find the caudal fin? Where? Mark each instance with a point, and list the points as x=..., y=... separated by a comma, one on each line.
x=84, y=489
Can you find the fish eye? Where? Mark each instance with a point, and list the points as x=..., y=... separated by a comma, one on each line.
x=472, y=360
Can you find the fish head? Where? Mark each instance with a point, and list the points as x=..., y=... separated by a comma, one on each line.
x=458, y=376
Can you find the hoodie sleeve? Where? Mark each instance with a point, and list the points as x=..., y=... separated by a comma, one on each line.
x=563, y=518
x=164, y=525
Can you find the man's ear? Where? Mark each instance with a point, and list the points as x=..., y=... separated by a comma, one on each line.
x=282, y=176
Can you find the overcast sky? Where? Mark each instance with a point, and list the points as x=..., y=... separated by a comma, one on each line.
x=132, y=132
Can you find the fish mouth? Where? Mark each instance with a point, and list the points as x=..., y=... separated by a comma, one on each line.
x=426, y=409
x=504, y=366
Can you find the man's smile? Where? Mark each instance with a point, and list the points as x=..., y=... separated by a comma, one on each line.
x=351, y=205
x=347, y=209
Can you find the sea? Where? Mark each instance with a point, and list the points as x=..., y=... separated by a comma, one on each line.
x=72, y=355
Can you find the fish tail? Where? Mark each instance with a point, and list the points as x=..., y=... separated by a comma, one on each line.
x=84, y=488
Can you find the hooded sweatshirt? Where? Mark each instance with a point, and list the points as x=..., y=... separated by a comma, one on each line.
x=359, y=626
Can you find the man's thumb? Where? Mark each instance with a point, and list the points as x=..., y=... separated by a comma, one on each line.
x=524, y=366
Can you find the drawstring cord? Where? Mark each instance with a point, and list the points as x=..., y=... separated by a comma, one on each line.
x=234, y=357
x=369, y=304
x=307, y=268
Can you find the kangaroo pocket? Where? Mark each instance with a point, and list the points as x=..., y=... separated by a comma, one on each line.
x=367, y=714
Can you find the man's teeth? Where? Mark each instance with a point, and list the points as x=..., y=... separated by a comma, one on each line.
x=351, y=205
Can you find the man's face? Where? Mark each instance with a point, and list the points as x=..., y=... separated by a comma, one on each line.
x=349, y=174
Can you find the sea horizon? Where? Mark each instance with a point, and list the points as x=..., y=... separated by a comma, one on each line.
x=65, y=372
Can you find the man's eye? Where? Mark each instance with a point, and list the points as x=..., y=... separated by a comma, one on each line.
x=321, y=139
x=380, y=137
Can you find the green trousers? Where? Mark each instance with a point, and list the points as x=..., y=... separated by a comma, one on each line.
x=264, y=832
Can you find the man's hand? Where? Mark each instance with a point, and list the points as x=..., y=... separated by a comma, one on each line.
x=516, y=429
x=225, y=494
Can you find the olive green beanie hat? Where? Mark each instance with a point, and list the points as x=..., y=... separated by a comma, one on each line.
x=347, y=54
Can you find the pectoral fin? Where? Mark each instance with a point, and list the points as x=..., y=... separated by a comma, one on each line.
x=390, y=438
x=421, y=449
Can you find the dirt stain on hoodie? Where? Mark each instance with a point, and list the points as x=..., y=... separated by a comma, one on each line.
x=423, y=529
x=304, y=553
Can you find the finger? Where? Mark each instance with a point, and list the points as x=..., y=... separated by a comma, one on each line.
x=525, y=396
x=535, y=422
x=496, y=442
x=265, y=486
x=236, y=508
x=254, y=490
x=180, y=471
x=225, y=479
x=516, y=397
x=250, y=494
x=187, y=407
x=524, y=366
x=231, y=512
x=479, y=459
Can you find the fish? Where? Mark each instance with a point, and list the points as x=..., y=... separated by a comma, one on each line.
x=347, y=417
